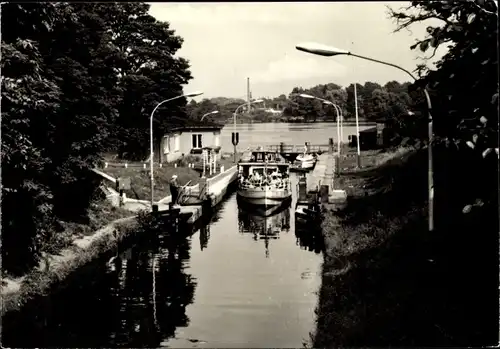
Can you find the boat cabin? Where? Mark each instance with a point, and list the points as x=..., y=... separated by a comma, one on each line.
x=266, y=156
x=264, y=165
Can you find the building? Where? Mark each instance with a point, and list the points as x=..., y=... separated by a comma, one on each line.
x=186, y=140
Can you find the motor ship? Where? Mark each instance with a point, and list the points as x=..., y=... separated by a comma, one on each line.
x=264, y=180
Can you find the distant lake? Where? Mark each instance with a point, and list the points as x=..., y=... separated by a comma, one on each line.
x=294, y=133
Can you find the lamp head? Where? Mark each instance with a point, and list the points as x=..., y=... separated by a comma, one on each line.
x=193, y=94
x=304, y=95
x=320, y=49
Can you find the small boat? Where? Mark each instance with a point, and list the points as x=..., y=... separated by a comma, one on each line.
x=264, y=179
x=305, y=161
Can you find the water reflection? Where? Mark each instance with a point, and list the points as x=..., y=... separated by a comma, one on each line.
x=204, y=236
x=262, y=226
x=138, y=300
x=309, y=236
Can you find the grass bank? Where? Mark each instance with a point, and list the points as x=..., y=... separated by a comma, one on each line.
x=68, y=250
x=140, y=178
x=387, y=281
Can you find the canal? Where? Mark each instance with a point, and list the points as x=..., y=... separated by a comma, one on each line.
x=242, y=280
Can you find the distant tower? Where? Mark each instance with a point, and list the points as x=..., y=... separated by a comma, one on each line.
x=249, y=96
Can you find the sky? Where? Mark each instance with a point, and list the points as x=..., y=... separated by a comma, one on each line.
x=227, y=42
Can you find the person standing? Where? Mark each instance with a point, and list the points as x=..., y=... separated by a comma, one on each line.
x=174, y=189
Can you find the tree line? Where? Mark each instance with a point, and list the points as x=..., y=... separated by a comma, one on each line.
x=77, y=79
x=392, y=100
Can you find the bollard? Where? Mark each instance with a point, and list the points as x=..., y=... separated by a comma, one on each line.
x=105, y=165
x=144, y=166
x=175, y=165
x=222, y=169
x=126, y=165
x=336, y=161
x=161, y=165
x=155, y=208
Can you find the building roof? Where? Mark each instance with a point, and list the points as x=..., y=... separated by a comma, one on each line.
x=368, y=130
x=196, y=128
x=194, y=125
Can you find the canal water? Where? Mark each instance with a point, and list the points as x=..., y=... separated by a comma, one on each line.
x=243, y=280
x=261, y=134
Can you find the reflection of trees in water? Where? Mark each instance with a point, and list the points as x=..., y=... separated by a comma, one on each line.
x=262, y=227
x=309, y=236
x=112, y=305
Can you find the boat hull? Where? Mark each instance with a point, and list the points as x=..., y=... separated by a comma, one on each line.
x=262, y=197
x=263, y=211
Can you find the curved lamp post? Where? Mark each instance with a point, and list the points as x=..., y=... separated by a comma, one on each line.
x=328, y=51
x=207, y=114
x=192, y=94
x=241, y=106
x=234, y=118
x=339, y=116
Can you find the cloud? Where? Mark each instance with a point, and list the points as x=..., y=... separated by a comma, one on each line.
x=293, y=67
x=237, y=13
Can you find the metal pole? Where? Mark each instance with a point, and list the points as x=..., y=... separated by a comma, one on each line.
x=430, y=165
x=358, y=162
x=341, y=126
x=234, y=129
x=151, y=151
x=151, y=156
x=430, y=131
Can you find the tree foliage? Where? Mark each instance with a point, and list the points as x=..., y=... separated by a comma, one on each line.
x=77, y=79
x=464, y=91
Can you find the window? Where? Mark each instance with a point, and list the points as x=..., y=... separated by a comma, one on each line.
x=166, y=145
x=197, y=141
x=177, y=142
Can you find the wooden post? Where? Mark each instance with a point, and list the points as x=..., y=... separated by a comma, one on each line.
x=330, y=146
x=214, y=156
x=210, y=162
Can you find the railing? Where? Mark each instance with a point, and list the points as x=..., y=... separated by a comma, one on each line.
x=290, y=148
x=282, y=184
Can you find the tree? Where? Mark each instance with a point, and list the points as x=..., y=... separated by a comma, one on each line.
x=197, y=110
x=148, y=72
x=463, y=86
x=26, y=201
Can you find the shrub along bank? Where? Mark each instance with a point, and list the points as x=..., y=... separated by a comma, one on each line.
x=77, y=243
x=388, y=281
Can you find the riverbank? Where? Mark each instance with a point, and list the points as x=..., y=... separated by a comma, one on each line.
x=140, y=186
x=67, y=251
x=388, y=281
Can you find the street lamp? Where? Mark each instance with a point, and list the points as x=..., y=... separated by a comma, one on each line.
x=212, y=112
x=192, y=94
x=339, y=116
x=234, y=119
x=328, y=51
x=241, y=106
